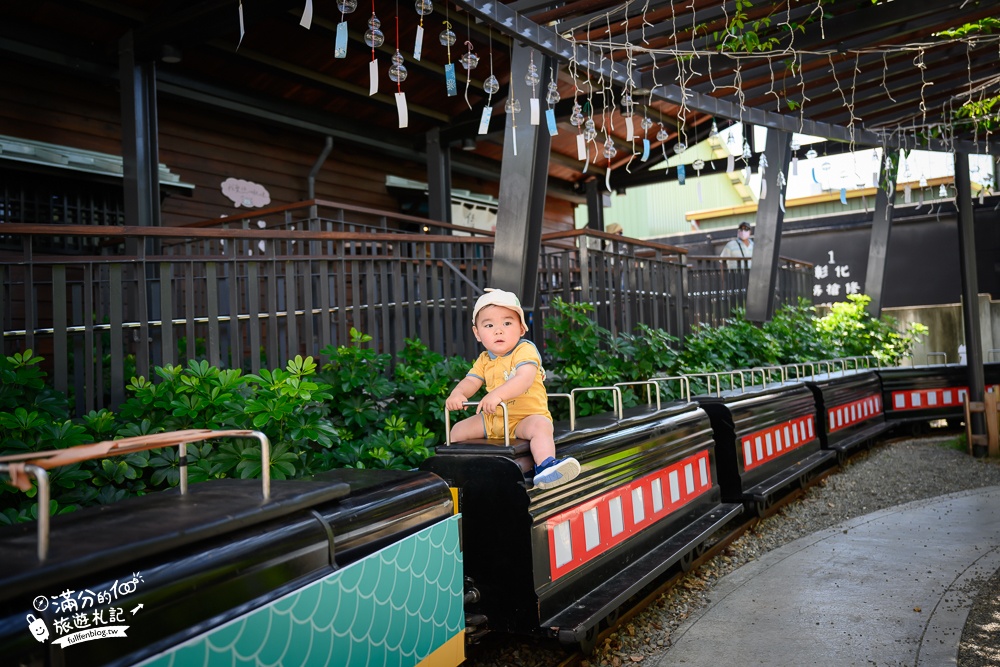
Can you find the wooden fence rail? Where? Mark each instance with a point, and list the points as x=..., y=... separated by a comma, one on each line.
x=252, y=298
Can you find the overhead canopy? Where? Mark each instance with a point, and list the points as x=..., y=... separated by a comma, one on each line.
x=892, y=73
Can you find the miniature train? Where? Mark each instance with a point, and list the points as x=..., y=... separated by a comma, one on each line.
x=361, y=567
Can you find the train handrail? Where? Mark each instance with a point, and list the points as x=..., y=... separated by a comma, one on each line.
x=989, y=353
x=684, y=382
x=469, y=404
x=718, y=380
x=617, y=397
x=792, y=366
x=935, y=355
x=768, y=369
x=36, y=464
x=572, y=409
x=753, y=372
x=649, y=394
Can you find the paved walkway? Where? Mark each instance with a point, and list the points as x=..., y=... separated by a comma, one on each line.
x=889, y=588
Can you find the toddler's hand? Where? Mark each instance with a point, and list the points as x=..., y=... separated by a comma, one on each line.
x=454, y=402
x=489, y=403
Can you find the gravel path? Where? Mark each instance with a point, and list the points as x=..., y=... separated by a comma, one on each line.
x=891, y=474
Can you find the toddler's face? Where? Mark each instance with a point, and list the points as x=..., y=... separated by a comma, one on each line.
x=498, y=329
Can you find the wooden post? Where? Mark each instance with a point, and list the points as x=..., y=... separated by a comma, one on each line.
x=990, y=405
x=988, y=408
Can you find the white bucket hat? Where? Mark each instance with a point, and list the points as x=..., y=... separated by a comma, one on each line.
x=499, y=297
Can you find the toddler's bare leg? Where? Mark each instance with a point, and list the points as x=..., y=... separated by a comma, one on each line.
x=470, y=428
x=538, y=430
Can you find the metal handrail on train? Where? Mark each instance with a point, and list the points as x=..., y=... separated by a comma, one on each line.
x=935, y=355
x=36, y=464
x=780, y=369
x=649, y=393
x=468, y=404
x=989, y=354
x=685, y=383
x=619, y=410
x=572, y=408
x=718, y=380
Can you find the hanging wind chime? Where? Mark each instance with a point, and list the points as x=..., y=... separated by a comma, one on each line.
x=447, y=39
x=397, y=74
x=424, y=8
x=340, y=40
x=512, y=106
x=551, y=99
x=374, y=39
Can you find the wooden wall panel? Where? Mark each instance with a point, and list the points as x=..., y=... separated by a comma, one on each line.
x=206, y=146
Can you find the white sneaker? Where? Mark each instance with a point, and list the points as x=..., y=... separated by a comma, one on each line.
x=557, y=473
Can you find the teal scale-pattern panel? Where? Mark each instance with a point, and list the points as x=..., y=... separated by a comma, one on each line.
x=392, y=609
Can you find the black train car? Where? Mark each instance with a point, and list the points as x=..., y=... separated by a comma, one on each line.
x=767, y=441
x=356, y=568
x=916, y=395
x=849, y=409
x=557, y=562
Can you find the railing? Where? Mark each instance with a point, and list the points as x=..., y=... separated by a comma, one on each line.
x=717, y=285
x=628, y=282
x=241, y=295
x=238, y=298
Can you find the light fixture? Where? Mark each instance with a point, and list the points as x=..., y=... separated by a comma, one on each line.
x=170, y=54
x=468, y=144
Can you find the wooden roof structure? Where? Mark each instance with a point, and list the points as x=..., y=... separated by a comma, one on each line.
x=856, y=72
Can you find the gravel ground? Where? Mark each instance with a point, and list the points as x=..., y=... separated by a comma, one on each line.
x=893, y=473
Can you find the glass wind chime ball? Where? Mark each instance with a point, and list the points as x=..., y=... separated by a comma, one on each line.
x=811, y=153
x=469, y=60
x=512, y=106
x=698, y=164
x=627, y=106
x=347, y=6
x=680, y=147
x=646, y=123
x=397, y=72
x=373, y=36
x=423, y=7
x=491, y=85
x=589, y=131
x=576, y=118
x=447, y=37
x=661, y=134
x=609, y=148
x=552, y=96
x=531, y=76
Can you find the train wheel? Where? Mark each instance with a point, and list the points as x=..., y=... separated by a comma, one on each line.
x=612, y=618
x=761, y=506
x=687, y=560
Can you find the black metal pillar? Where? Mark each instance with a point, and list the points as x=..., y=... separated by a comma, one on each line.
x=438, y=177
x=767, y=231
x=140, y=147
x=523, y=176
x=970, y=295
x=885, y=200
x=595, y=205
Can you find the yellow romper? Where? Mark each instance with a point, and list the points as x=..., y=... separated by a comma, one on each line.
x=494, y=371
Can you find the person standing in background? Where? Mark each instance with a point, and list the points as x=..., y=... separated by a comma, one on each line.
x=741, y=247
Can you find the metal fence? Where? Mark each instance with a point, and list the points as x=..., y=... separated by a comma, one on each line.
x=718, y=285
x=241, y=295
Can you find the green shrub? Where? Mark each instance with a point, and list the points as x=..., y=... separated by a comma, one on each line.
x=849, y=331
